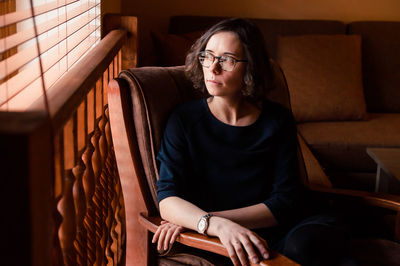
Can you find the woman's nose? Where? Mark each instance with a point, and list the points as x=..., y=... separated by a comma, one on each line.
x=215, y=67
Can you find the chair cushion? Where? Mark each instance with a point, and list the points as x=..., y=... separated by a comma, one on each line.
x=342, y=145
x=324, y=76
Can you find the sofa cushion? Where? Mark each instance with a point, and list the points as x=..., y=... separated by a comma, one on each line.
x=171, y=49
x=381, y=64
x=342, y=145
x=324, y=76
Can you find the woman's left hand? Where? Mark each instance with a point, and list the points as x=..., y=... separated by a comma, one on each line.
x=242, y=244
x=166, y=235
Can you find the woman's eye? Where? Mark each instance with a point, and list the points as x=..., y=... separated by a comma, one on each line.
x=228, y=60
x=209, y=56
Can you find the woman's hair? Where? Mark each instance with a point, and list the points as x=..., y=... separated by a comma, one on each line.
x=258, y=77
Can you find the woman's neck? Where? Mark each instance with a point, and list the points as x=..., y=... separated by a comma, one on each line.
x=235, y=112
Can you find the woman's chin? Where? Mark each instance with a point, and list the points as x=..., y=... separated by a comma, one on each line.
x=214, y=90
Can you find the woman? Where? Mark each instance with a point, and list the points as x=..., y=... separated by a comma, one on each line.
x=227, y=163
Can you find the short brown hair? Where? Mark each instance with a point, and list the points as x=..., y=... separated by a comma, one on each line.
x=258, y=77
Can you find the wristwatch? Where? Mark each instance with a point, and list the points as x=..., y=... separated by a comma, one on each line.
x=202, y=225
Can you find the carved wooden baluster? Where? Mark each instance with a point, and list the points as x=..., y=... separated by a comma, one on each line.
x=98, y=198
x=107, y=175
x=67, y=230
x=56, y=224
x=90, y=218
x=121, y=228
x=80, y=208
x=111, y=221
x=110, y=162
x=101, y=190
x=102, y=152
x=58, y=181
x=117, y=222
x=78, y=191
x=66, y=207
x=89, y=181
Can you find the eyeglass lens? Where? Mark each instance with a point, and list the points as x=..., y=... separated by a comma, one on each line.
x=227, y=63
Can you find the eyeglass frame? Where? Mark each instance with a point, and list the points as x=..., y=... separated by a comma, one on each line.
x=202, y=54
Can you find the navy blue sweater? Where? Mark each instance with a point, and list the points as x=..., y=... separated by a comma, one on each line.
x=217, y=166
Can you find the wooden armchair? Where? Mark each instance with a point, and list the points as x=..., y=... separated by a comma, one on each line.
x=140, y=101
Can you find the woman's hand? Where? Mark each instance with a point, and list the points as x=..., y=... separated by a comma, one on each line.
x=166, y=235
x=241, y=243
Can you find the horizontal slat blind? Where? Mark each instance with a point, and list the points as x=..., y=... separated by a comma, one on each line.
x=40, y=8
x=45, y=46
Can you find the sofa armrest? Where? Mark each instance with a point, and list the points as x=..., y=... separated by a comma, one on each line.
x=211, y=244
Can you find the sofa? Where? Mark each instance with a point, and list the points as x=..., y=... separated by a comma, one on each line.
x=343, y=79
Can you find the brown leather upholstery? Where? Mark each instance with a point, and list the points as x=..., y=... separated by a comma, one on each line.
x=152, y=102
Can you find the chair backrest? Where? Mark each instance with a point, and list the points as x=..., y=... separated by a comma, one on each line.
x=154, y=93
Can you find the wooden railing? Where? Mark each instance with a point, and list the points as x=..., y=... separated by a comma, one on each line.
x=62, y=194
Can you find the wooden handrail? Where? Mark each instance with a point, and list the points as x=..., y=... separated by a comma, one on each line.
x=66, y=95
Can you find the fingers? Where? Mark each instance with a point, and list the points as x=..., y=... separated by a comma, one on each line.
x=247, y=247
x=156, y=235
x=232, y=255
x=241, y=254
x=176, y=234
x=166, y=235
x=161, y=238
x=251, y=254
x=261, y=245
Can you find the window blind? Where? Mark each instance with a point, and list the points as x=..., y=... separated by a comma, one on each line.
x=40, y=41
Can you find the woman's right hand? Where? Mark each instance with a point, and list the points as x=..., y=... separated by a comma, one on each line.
x=166, y=235
x=241, y=243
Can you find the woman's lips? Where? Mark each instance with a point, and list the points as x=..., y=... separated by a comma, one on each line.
x=214, y=82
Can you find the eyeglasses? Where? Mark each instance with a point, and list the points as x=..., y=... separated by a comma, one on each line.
x=226, y=62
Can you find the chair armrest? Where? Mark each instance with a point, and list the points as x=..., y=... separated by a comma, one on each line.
x=211, y=244
x=382, y=200
x=387, y=201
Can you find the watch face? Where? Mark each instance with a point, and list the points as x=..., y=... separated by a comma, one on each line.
x=202, y=225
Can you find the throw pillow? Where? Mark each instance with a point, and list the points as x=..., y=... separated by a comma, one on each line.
x=324, y=76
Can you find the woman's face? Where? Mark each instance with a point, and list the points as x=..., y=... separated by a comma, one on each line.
x=219, y=82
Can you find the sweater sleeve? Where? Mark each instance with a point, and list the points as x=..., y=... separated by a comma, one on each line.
x=171, y=159
x=285, y=194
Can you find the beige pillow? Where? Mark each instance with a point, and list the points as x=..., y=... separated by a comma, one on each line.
x=324, y=76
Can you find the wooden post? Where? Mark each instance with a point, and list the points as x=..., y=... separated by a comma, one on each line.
x=26, y=189
x=130, y=24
